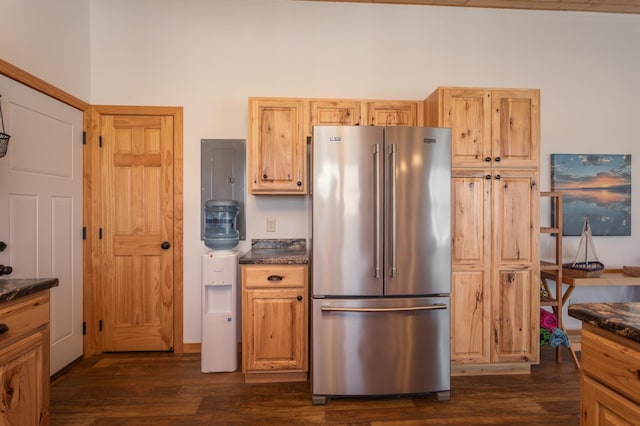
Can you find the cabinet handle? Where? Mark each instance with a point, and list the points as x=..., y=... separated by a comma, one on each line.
x=497, y=159
x=299, y=297
x=4, y=328
x=274, y=278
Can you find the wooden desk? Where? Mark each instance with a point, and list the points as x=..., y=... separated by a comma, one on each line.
x=608, y=277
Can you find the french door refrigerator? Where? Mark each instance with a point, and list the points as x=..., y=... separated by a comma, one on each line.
x=381, y=261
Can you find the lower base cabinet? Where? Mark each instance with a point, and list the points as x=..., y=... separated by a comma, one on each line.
x=610, y=386
x=275, y=336
x=24, y=361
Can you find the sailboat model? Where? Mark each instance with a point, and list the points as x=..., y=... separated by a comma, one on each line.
x=585, y=267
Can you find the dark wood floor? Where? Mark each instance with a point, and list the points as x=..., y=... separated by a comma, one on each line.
x=168, y=389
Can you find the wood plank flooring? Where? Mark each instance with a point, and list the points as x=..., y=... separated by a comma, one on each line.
x=169, y=389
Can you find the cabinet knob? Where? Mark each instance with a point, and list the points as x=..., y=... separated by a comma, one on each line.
x=487, y=177
x=264, y=176
x=299, y=183
x=487, y=159
x=5, y=270
x=3, y=245
x=299, y=298
x=4, y=328
x=497, y=159
x=497, y=177
x=165, y=245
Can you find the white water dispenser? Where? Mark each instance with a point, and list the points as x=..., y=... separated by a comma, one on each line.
x=219, y=311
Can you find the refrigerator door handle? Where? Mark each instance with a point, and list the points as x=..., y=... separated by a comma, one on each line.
x=376, y=210
x=405, y=309
x=392, y=226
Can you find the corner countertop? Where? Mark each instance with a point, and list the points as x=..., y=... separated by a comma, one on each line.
x=276, y=252
x=15, y=288
x=621, y=318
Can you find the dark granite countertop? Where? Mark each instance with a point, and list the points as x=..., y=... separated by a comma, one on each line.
x=277, y=252
x=621, y=318
x=15, y=288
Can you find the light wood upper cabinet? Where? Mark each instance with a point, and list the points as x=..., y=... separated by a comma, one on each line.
x=277, y=149
x=334, y=112
x=393, y=113
x=489, y=127
x=279, y=129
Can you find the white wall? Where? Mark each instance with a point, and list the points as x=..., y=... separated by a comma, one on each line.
x=49, y=39
x=210, y=55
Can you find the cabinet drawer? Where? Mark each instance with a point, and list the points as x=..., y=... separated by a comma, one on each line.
x=270, y=276
x=613, y=363
x=23, y=316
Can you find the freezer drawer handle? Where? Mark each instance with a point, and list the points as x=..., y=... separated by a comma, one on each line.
x=407, y=309
x=274, y=278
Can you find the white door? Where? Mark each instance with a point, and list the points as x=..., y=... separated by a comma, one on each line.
x=41, y=206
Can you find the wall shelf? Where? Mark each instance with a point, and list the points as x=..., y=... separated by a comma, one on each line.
x=555, y=298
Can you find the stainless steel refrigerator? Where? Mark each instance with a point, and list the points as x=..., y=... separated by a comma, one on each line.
x=381, y=261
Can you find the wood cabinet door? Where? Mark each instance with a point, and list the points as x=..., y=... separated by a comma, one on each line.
x=515, y=287
x=515, y=127
x=392, y=113
x=468, y=113
x=277, y=160
x=22, y=399
x=326, y=112
x=470, y=259
x=600, y=406
x=274, y=331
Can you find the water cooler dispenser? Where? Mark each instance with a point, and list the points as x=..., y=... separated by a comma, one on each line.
x=219, y=289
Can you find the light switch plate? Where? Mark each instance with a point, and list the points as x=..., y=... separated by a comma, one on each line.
x=271, y=224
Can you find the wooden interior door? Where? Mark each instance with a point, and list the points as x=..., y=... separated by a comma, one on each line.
x=137, y=208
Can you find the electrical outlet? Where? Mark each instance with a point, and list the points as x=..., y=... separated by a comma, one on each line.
x=271, y=224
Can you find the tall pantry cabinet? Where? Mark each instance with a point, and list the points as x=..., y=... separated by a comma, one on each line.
x=495, y=209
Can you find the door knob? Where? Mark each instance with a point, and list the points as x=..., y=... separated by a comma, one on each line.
x=165, y=245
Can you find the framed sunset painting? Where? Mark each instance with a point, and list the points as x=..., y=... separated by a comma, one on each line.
x=593, y=185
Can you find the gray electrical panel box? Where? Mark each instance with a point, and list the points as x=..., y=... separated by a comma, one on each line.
x=223, y=171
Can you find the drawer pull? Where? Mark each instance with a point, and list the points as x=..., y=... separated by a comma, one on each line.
x=4, y=328
x=275, y=277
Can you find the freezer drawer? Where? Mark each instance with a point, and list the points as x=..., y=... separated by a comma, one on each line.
x=380, y=347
